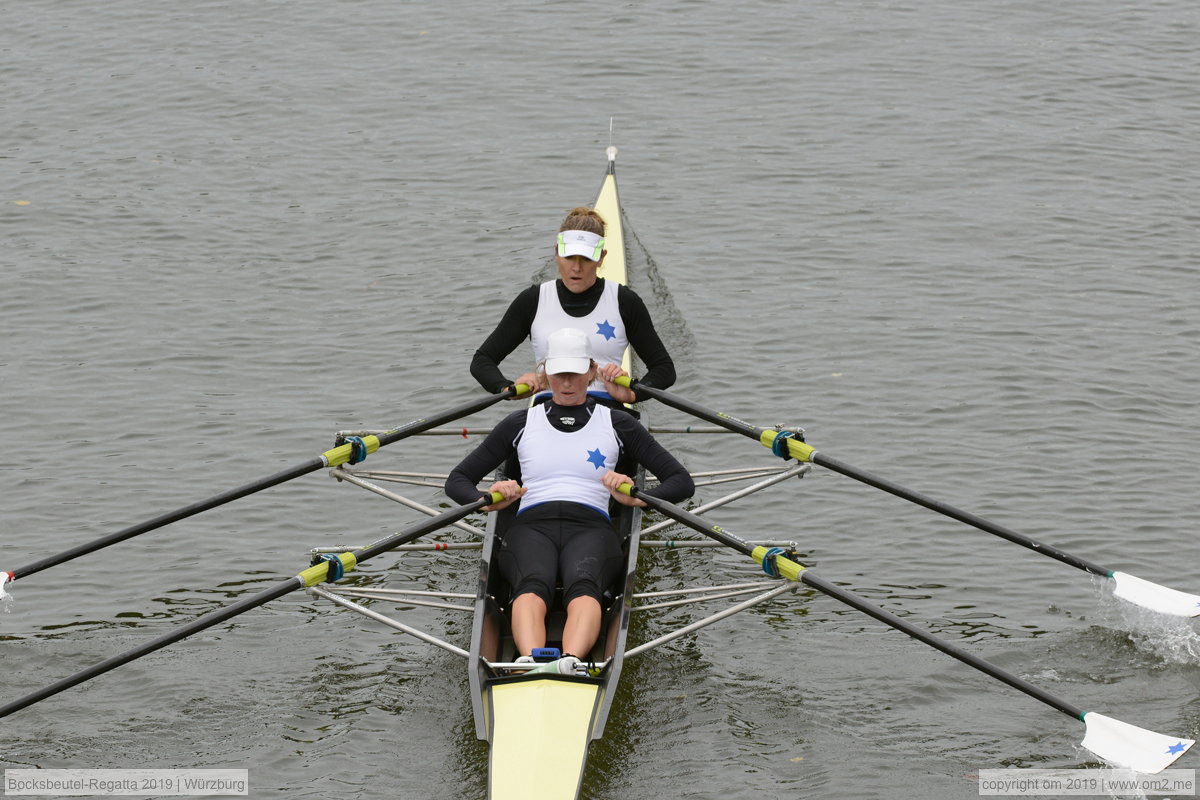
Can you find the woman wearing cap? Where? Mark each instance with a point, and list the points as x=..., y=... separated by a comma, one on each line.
x=567, y=448
x=612, y=316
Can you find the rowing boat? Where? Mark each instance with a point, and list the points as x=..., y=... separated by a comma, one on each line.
x=539, y=725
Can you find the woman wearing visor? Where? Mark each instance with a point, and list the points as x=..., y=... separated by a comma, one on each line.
x=567, y=449
x=611, y=315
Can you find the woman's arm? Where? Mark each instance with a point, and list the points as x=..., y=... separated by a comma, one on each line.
x=675, y=484
x=660, y=368
x=513, y=329
x=462, y=485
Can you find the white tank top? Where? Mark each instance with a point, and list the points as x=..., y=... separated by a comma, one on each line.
x=556, y=465
x=603, y=326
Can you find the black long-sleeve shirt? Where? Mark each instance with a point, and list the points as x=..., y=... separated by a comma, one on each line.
x=517, y=323
x=675, y=484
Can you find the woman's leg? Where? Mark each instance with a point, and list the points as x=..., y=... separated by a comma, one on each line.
x=589, y=561
x=583, y=626
x=528, y=559
x=529, y=623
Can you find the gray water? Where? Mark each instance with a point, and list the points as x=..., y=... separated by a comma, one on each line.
x=954, y=241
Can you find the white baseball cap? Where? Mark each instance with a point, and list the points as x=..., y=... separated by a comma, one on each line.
x=581, y=243
x=568, y=350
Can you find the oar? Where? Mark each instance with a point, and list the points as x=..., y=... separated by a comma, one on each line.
x=310, y=577
x=330, y=458
x=1112, y=740
x=1127, y=587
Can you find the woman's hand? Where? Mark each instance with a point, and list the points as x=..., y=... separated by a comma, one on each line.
x=612, y=480
x=511, y=490
x=609, y=373
x=536, y=381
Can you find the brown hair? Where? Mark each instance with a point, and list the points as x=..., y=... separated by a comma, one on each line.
x=582, y=218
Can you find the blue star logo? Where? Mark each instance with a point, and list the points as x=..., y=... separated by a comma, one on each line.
x=606, y=330
x=596, y=458
x=1177, y=748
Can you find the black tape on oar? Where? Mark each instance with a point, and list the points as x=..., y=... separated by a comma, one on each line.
x=768, y=562
x=779, y=443
x=358, y=449
x=336, y=568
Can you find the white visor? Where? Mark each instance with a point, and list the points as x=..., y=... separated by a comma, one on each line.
x=580, y=243
x=568, y=350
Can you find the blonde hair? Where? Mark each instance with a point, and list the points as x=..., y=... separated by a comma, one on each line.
x=582, y=218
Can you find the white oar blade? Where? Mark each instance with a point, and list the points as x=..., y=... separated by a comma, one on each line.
x=1155, y=597
x=1129, y=746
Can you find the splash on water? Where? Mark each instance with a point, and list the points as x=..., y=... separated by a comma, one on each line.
x=5, y=598
x=1173, y=639
x=1119, y=783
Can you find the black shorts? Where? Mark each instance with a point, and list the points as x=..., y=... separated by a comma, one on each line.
x=560, y=541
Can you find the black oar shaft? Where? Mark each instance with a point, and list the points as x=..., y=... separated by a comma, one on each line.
x=417, y=530
x=425, y=423
x=696, y=522
x=246, y=604
x=806, y=577
x=312, y=465
x=948, y=510
x=182, y=632
x=829, y=462
x=695, y=409
x=166, y=519
x=922, y=635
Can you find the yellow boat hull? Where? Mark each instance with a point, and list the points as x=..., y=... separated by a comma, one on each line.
x=540, y=734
